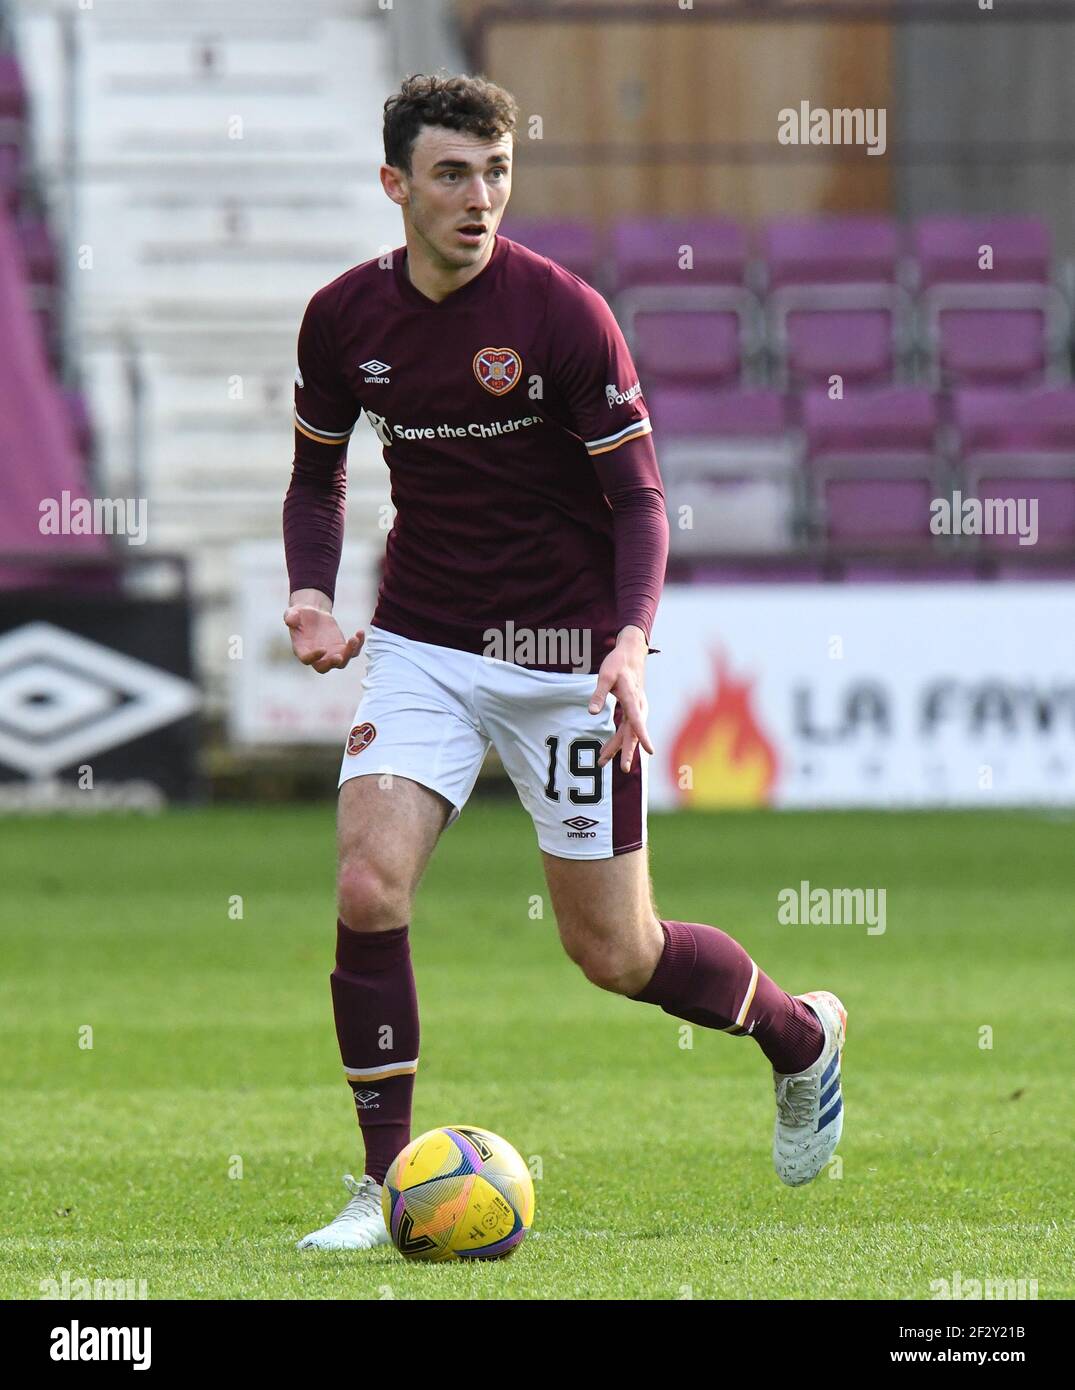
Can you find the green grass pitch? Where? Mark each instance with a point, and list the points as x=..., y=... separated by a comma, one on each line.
x=213, y=1046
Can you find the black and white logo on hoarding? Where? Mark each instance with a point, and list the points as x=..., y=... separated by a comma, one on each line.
x=64, y=698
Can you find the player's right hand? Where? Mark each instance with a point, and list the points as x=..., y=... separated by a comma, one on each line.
x=317, y=641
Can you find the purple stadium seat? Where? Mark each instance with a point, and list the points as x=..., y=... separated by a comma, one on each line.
x=872, y=464
x=858, y=345
x=894, y=418
x=991, y=345
x=947, y=250
x=692, y=333
x=831, y=251
x=697, y=324
x=887, y=510
x=572, y=244
x=834, y=307
x=648, y=251
x=1009, y=420
x=686, y=347
x=1055, y=499
x=687, y=411
x=1007, y=324
x=1020, y=444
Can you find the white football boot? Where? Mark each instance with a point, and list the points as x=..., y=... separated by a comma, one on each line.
x=360, y=1225
x=809, y=1104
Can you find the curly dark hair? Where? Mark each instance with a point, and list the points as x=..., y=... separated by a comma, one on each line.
x=465, y=103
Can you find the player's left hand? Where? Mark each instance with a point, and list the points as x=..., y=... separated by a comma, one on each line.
x=621, y=674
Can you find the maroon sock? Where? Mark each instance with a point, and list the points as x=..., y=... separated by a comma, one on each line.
x=376, y=1009
x=706, y=977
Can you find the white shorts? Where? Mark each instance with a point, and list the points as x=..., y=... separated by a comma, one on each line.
x=430, y=714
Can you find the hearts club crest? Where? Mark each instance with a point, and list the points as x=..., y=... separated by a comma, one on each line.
x=498, y=369
x=360, y=737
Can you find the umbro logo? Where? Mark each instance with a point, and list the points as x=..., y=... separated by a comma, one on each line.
x=378, y=370
x=581, y=828
x=363, y=1098
x=64, y=698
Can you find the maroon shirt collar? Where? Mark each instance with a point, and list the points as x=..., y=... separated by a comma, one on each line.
x=410, y=294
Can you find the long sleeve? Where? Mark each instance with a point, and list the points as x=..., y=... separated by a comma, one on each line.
x=631, y=481
x=325, y=413
x=314, y=517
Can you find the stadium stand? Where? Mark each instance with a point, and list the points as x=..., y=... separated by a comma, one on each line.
x=170, y=250
x=869, y=332
x=198, y=223
x=44, y=427
x=37, y=430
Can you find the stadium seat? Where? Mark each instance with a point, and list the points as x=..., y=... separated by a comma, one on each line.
x=947, y=248
x=1020, y=445
x=831, y=251
x=729, y=458
x=651, y=251
x=571, y=244
x=686, y=346
x=872, y=464
x=697, y=323
x=834, y=305
x=1005, y=325
x=994, y=419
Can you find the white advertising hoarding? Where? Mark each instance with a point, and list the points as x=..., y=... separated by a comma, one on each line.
x=863, y=695
x=273, y=698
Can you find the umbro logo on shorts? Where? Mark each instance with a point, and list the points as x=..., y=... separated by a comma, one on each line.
x=581, y=828
x=361, y=736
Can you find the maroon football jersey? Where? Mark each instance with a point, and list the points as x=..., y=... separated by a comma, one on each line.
x=509, y=414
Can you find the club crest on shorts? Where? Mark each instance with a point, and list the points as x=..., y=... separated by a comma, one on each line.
x=361, y=736
x=498, y=369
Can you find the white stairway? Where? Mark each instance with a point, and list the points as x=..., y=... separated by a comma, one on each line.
x=223, y=167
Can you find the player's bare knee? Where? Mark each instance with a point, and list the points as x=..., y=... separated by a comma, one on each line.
x=369, y=899
x=612, y=966
x=618, y=956
x=616, y=974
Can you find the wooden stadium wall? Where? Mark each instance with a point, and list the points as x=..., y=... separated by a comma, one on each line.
x=681, y=113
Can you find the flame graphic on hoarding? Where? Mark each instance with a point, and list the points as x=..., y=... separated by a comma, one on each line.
x=730, y=760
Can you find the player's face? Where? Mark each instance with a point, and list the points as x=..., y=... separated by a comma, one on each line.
x=457, y=192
